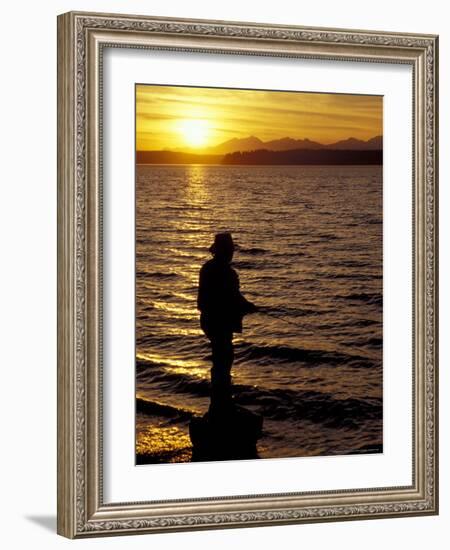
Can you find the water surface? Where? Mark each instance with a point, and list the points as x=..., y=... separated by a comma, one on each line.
x=310, y=250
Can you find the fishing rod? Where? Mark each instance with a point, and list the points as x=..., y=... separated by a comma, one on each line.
x=276, y=316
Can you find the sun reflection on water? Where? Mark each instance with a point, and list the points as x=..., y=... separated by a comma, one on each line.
x=179, y=366
x=197, y=191
x=166, y=443
x=175, y=309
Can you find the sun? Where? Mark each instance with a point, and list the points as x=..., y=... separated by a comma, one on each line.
x=195, y=131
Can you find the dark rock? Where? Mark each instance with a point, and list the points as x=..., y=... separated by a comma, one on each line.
x=225, y=435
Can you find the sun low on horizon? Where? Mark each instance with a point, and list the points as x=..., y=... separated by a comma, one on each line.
x=196, y=119
x=194, y=131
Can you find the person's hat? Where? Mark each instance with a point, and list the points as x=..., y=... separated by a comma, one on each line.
x=222, y=242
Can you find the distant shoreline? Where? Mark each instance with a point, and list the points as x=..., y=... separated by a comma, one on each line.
x=263, y=157
x=237, y=165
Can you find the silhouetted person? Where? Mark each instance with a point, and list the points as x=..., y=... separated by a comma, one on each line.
x=222, y=308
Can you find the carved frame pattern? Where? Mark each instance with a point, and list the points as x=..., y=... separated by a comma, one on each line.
x=81, y=511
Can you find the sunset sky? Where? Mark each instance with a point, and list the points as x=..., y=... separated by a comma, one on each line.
x=172, y=117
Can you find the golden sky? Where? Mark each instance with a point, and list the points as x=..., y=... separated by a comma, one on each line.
x=175, y=117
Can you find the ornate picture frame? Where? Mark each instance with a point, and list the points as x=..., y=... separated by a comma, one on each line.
x=82, y=510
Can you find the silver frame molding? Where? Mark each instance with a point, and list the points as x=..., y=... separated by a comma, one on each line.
x=81, y=39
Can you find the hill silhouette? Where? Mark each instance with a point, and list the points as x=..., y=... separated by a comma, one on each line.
x=263, y=156
x=305, y=156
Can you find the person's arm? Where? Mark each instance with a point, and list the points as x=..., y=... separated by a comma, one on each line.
x=245, y=306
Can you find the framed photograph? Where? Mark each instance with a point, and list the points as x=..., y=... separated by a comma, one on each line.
x=247, y=276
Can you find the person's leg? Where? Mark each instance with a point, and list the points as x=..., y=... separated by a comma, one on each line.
x=222, y=359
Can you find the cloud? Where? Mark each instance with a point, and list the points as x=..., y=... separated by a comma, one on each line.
x=267, y=114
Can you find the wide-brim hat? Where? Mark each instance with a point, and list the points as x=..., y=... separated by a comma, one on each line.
x=222, y=242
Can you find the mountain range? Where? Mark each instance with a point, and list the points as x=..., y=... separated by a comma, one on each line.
x=252, y=150
x=253, y=143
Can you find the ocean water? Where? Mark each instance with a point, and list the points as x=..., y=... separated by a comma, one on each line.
x=310, y=252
